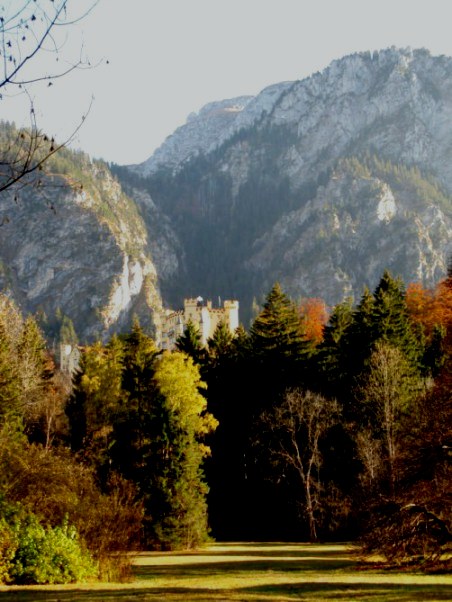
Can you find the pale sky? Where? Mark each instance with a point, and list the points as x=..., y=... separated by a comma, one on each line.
x=167, y=58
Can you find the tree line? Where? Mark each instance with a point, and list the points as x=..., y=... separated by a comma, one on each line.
x=338, y=427
x=312, y=425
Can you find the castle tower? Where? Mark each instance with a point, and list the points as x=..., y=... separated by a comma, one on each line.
x=231, y=309
x=202, y=314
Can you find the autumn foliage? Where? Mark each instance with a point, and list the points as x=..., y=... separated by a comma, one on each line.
x=314, y=316
x=430, y=307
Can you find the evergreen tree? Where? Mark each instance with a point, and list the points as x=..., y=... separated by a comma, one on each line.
x=158, y=445
x=67, y=334
x=390, y=318
x=220, y=343
x=359, y=338
x=276, y=332
x=179, y=382
x=140, y=413
x=9, y=379
x=279, y=356
x=136, y=426
x=35, y=367
x=382, y=316
x=190, y=343
x=230, y=391
x=95, y=401
x=241, y=344
x=434, y=356
x=330, y=368
x=25, y=366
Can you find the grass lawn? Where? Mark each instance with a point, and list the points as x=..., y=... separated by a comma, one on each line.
x=251, y=572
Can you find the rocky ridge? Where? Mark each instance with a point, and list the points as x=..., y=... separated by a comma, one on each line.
x=237, y=201
x=206, y=129
x=321, y=184
x=88, y=257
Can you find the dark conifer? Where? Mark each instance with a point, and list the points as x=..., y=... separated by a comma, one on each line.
x=219, y=345
x=190, y=343
x=330, y=367
x=390, y=319
x=276, y=332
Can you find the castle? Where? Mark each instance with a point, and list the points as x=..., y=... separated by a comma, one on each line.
x=203, y=315
x=172, y=326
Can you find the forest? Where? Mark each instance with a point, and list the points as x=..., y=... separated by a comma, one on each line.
x=315, y=424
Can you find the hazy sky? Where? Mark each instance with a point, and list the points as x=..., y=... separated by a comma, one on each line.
x=168, y=58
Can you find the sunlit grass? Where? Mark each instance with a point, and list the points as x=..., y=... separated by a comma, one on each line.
x=251, y=572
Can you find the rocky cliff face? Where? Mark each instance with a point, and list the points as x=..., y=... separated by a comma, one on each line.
x=205, y=130
x=89, y=257
x=363, y=221
x=320, y=183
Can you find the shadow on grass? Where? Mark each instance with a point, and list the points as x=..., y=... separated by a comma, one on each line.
x=210, y=569
x=383, y=592
x=378, y=592
x=276, y=552
x=300, y=574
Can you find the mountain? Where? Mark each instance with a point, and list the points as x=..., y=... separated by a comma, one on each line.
x=320, y=183
x=77, y=247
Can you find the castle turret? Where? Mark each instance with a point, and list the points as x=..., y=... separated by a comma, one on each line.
x=231, y=309
x=202, y=314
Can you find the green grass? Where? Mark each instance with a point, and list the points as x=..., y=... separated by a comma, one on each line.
x=252, y=572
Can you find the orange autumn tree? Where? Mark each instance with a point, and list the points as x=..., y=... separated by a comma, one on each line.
x=430, y=307
x=314, y=316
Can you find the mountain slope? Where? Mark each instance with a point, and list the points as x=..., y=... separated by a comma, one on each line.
x=320, y=184
x=273, y=199
x=89, y=257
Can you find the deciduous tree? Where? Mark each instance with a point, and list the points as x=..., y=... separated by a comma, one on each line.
x=388, y=389
x=314, y=316
x=298, y=424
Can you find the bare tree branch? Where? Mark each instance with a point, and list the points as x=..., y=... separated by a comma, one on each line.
x=26, y=33
x=300, y=422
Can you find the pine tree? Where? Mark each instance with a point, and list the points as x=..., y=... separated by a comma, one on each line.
x=330, y=365
x=133, y=425
x=230, y=391
x=360, y=335
x=391, y=321
x=178, y=380
x=220, y=343
x=35, y=366
x=279, y=360
x=9, y=379
x=190, y=343
x=157, y=443
x=67, y=334
x=96, y=399
x=276, y=333
x=382, y=316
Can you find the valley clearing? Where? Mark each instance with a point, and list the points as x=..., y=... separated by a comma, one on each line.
x=276, y=572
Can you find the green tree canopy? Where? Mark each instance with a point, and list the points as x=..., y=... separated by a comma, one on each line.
x=276, y=332
x=190, y=342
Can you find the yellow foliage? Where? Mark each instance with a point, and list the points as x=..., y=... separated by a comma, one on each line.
x=179, y=380
x=90, y=384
